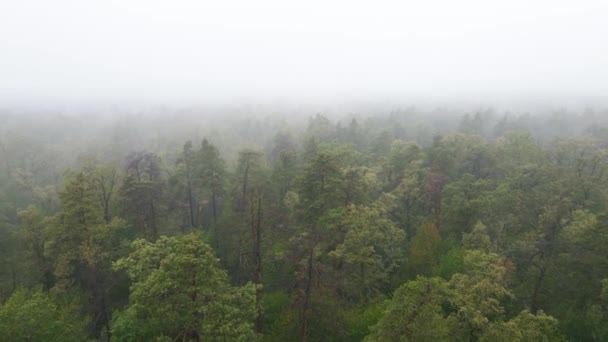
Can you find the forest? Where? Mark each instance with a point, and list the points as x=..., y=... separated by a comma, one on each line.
x=252, y=223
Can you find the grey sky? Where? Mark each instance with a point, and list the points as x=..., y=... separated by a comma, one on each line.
x=64, y=50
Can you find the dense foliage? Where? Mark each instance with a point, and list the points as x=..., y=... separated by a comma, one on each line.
x=399, y=227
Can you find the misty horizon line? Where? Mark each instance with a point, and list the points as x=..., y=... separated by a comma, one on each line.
x=523, y=103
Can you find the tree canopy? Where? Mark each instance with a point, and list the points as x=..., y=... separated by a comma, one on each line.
x=400, y=226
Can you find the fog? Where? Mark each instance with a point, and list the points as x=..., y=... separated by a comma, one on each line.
x=176, y=52
x=269, y=170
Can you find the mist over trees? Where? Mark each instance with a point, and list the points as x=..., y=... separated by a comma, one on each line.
x=260, y=223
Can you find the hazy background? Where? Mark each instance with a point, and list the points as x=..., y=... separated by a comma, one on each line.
x=178, y=52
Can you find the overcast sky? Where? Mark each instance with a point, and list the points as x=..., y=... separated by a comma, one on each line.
x=79, y=50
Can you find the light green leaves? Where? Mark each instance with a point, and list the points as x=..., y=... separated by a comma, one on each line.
x=32, y=315
x=179, y=291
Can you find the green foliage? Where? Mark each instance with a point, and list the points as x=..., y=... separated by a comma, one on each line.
x=328, y=318
x=371, y=250
x=321, y=184
x=597, y=314
x=78, y=236
x=524, y=327
x=450, y=263
x=424, y=248
x=274, y=305
x=478, y=238
x=142, y=191
x=33, y=233
x=179, y=291
x=401, y=155
x=479, y=290
x=581, y=229
x=81, y=246
x=465, y=201
x=410, y=197
x=416, y=313
x=32, y=315
x=467, y=307
x=359, y=320
x=331, y=218
x=8, y=259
